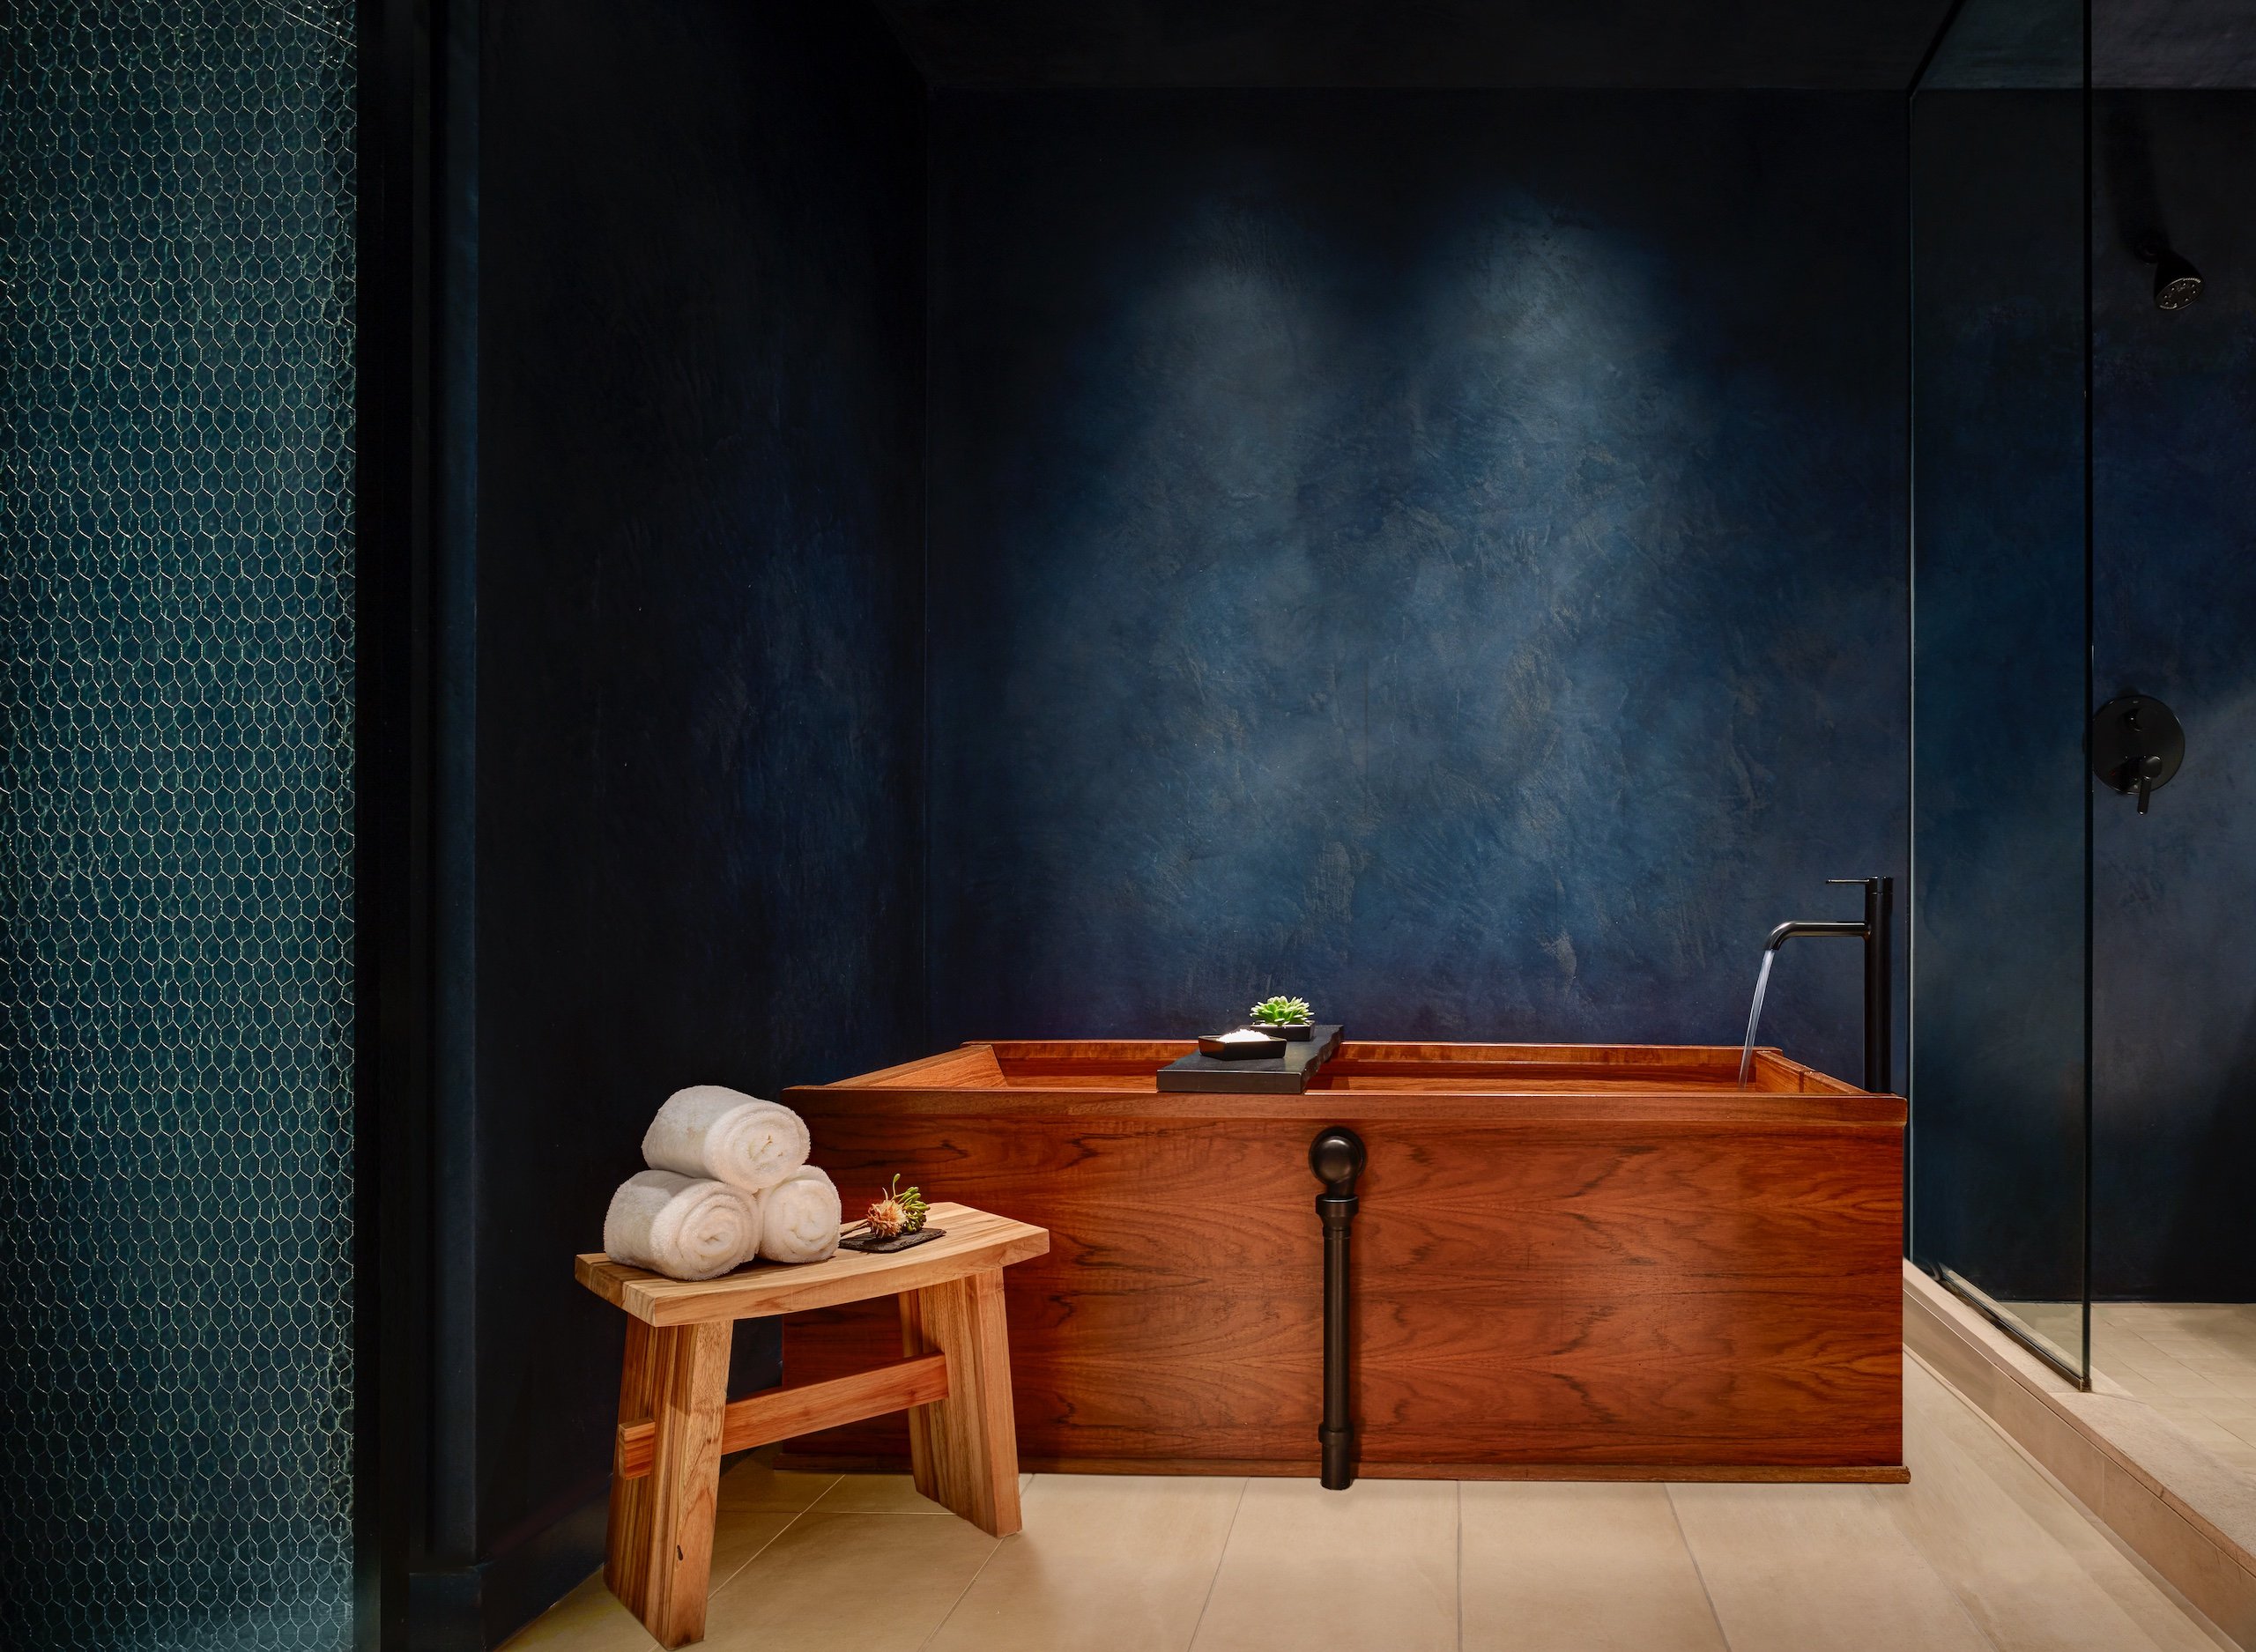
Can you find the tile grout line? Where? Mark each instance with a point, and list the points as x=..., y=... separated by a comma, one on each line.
x=1676, y=1516
x=797, y=1514
x=1460, y=1565
x=2139, y=1563
x=1220, y=1555
x=2017, y=1452
x=957, y=1603
x=1981, y=1634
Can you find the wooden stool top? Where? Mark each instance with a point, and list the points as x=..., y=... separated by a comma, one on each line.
x=976, y=1241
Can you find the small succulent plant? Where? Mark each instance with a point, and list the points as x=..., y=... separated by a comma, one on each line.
x=1282, y=1013
x=898, y=1211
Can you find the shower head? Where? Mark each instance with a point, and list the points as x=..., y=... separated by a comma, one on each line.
x=2175, y=282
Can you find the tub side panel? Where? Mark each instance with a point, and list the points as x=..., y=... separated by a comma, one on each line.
x=1571, y=1291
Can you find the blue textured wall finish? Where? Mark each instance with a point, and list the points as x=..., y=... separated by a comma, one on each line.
x=1439, y=552
x=2174, y=450
x=699, y=632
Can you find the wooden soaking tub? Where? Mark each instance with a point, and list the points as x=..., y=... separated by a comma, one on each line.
x=1585, y=1263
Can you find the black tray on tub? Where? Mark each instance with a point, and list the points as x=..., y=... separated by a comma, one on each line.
x=1275, y=1075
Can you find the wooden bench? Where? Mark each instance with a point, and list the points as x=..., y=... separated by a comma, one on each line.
x=675, y=1421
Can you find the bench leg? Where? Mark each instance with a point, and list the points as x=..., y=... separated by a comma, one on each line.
x=964, y=1449
x=659, y=1553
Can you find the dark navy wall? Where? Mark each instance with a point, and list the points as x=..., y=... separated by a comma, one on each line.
x=1439, y=552
x=2174, y=447
x=698, y=633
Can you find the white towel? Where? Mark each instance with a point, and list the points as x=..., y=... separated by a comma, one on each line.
x=680, y=1226
x=709, y=1131
x=799, y=1218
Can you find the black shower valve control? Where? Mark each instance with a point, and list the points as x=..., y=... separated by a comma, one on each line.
x=2137, y=746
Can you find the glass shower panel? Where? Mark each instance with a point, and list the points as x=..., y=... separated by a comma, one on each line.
x=2000, y=1074
x=2174, y=515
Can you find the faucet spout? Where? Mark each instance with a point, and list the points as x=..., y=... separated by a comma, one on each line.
x=1844, y=930
x=1875, y=931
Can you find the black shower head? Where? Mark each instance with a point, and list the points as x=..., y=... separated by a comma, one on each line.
x=2175, y=282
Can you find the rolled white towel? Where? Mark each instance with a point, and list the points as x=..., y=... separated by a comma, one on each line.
x=799, y=1218
x=681, y=1226
x=710, y=1130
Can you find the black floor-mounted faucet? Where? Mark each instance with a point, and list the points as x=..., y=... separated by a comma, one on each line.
x=1876, y=931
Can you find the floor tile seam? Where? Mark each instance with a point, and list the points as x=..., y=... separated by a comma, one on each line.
x=737, y=1571
x=2170, y=1593
x=1222, y=1554
x=828, y=1489
x=1982, y=1635
x=963, y=1594
x=1897, y=1510
x=1676, y=1517
x=2092, y=1517
x=2052, y=1482
x=822, y=1496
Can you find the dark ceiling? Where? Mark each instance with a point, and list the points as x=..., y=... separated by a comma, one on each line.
x=2186, y=45
x=1820, y=44
x=1644, y=43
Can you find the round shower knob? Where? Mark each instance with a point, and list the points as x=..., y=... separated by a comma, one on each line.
x=2137, y=746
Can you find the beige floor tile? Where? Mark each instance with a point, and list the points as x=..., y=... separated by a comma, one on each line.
x=2116, y=1353
x=885, y=1494
x=1107, y=1563
x=2206, y=1429
x=739, y=1534
x=876, y=1494
x=2028, y=1568
x=587, y=1620
x=2183, y=1383
x=848, y=1583
x=1578, y=1568
x=2185, y=1349
x=2236, y=1419
x=1791, y=1569
x=1374, y=1566
x=753, y=1485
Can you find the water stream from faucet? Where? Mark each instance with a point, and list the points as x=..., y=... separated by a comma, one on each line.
x=1755, y=1013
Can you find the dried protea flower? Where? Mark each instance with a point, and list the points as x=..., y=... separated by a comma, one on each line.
x=898, y=1211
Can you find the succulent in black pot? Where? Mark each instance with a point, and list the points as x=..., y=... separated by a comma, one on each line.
x=1287, y=1018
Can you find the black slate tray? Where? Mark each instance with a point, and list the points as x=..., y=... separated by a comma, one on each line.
x=876, y=1247
x=1277, y=1075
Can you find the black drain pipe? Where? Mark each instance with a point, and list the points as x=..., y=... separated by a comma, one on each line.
x=1337, y=1157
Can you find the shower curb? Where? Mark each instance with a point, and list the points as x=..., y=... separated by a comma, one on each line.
x=2178, y=1505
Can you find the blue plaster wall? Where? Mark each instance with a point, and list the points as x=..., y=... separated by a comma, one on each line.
x=698, y=637
x=2174, y=449
x=1439, y=552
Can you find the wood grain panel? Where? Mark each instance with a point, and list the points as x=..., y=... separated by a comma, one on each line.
x=1460, y=1200
x=1599, y=1282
